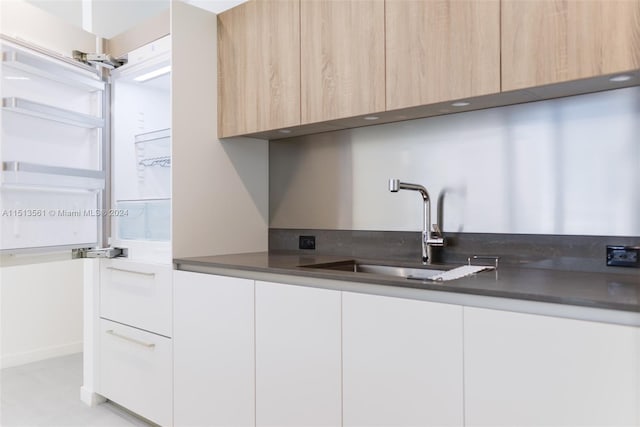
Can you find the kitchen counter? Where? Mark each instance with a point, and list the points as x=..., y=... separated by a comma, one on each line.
x=596, y=290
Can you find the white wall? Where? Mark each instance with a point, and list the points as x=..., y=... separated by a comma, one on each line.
x=40, y=311
x=108, y=17
x=22, y=20
x=565, y=166
x=69, y=11
x=113, y=17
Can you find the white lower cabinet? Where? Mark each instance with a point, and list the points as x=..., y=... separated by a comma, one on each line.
x=402, y=362
x=532, y=370
x=298, y=356
x=135, y=370
x=213, y=350
x=135, y=353
x=136, y=294
x=269, y=354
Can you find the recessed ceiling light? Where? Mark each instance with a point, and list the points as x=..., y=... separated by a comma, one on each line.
x=620, y=78
x=460, y=104
x=284, y=131
x=16, y=78
x=371, y=118
x=153, y=74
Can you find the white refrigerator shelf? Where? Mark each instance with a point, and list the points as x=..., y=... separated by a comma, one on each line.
x=35, y=65
x=30, y=175
x=48, y=112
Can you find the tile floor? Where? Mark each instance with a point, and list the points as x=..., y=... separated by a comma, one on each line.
x=47, y=393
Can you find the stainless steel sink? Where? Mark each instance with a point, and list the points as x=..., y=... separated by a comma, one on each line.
x=416, y=273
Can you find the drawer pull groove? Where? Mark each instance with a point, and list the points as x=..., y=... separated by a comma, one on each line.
x=133, y=340
x=132, y=271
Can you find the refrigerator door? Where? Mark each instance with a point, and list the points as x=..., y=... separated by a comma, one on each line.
x=52, y=146
x=73, y=167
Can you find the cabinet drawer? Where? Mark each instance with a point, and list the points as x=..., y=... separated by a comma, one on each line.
x=135, y=371
x=136, y=294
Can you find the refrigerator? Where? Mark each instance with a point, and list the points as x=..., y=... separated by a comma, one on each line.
x=120, y=168
x=86, y=160
x=86, y=154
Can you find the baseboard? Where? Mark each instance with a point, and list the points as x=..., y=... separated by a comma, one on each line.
x=17, y=359
x=91, y=398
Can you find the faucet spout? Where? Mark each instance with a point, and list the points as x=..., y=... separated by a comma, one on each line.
x=429, y=238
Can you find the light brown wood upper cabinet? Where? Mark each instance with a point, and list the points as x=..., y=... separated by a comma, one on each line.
x=441, y=50
x=301, y=63
x=342, y=68
x=258, y=67
x=554, y=41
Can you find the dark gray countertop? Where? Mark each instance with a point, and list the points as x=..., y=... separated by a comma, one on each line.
x=598, y=290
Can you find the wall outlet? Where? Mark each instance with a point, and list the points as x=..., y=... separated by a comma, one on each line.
x=623, y=256
x=307, y=242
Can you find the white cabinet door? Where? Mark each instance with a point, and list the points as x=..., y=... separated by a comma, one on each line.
x=297, y=356
x=213, y=350
x=530, y=370
x=402, y=362
x=135, y=371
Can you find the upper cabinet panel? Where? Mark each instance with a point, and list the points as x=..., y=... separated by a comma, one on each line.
x=554, y=41
x=145, y=32
x=31, y=24
x=259, y=67
x=342, y=68
x=441, y=50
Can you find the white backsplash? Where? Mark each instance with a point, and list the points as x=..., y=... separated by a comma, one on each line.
x=564, y=166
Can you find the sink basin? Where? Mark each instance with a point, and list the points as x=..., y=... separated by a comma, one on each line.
x=416, y=273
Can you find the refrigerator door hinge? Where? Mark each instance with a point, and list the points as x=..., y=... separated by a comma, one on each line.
x=100, y=60
x=99, y=253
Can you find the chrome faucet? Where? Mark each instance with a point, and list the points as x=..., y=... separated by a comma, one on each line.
x=430, y=238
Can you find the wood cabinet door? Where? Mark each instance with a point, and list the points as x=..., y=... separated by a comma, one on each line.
x=298, y=355
x=258, y=67
x=441, y=50
x=531, y=370
x=554, y=41
x=342, y=53
x=402, y=362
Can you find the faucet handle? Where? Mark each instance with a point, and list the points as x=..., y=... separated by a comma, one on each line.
x=437, y=239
